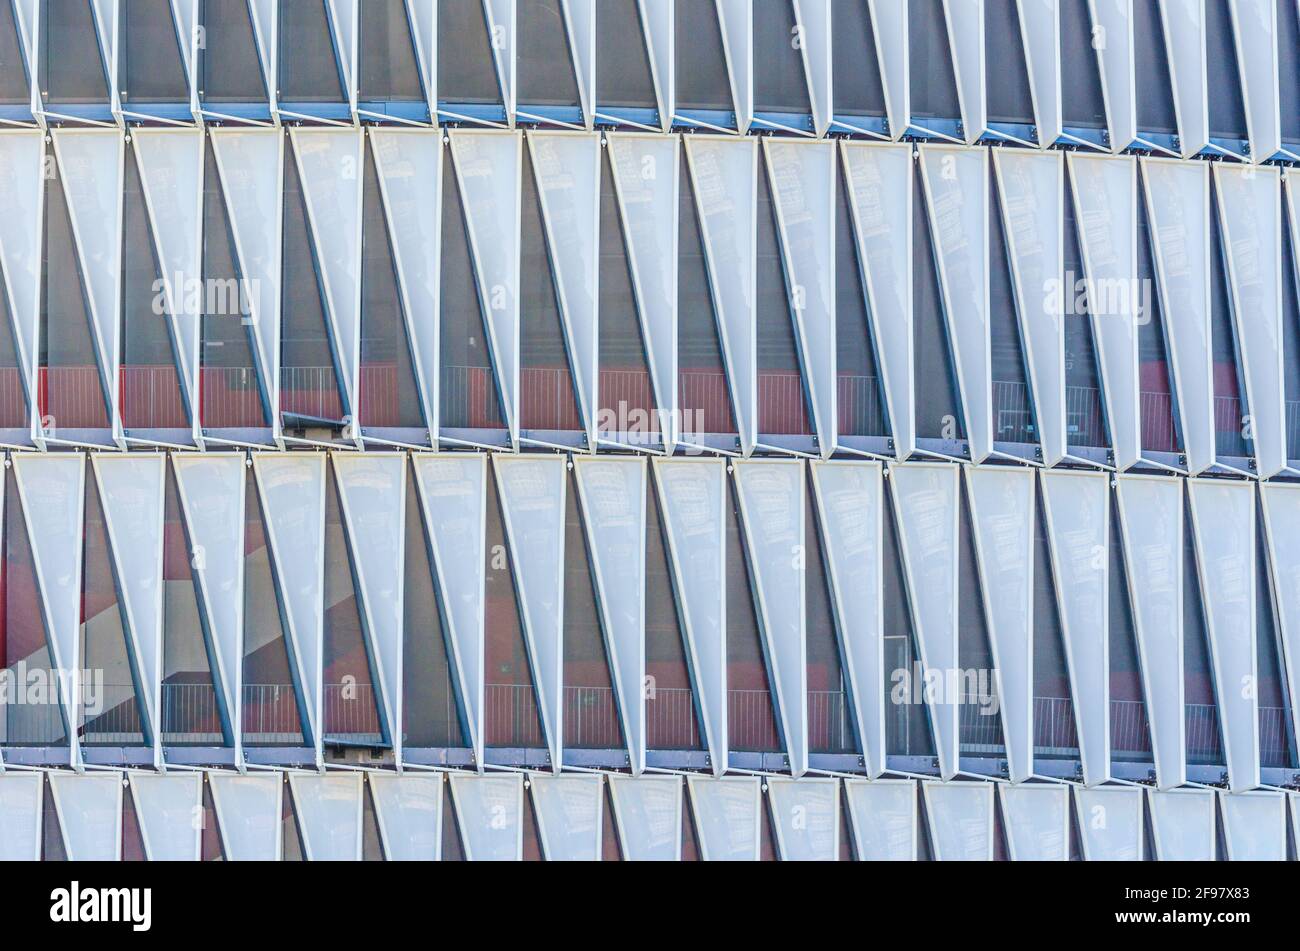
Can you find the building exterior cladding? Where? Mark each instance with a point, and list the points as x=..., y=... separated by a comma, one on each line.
x=649, y=429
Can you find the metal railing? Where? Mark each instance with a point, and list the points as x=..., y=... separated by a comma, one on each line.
x=310, y=391
x=782, y=406
x=230, y=398
x=860, y=410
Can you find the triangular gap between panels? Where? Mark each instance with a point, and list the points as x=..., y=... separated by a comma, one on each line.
x=1160, y=429
x=24, y=641
x=1130, y=734
x=14, y=85
x=291, y=834
x=389, y=394
x=469, y=394
x=1291, y=333
x=863, y=402
x=151, y=395
x=1086, y=423
x=1223, y=82
x=388, y=67
x=132, y=836
x=546, y=74
x=624, y=77
x=432, y=707
x=938, y=404
x=611, y=848
x=13, y=391
x=981, y=731
x=466, y=64
x=1083, y=104
x=1014, y=414
x=112, y=714
x=230, y=67
x=532, y=839
x=830, y=720
x=372, y=849
x=907, y=724
x=210, y=849
x=672, y=703
x=1230, y=406
x=512, y=716
x=766, y=833
x=52, y=847
x=690, y=841
x=591, y=714
x=1276, y=746
x=1156, y=111
x=230, y=392
x=781, y=85
x=857, y=75
x=71, y=385
x=547, y=397
x=1055, y=732
x=351, y=698
x=309, y=378
x=783, y=406
x=703, y=390
x=625, y=391
x=702, y=81
x=308, y=63
x=932, y=81
x=1009, y=96
x=273, y=704
x=190, y=713
x=72, y=68
x=152, y=66
x=453, y=847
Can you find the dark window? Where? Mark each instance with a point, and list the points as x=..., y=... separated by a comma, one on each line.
x=933, y=81
x=153, y=69
x=623, y=71
x=389, y=68
x=1007, y=75
x=702, y=80
x=232, y=68
x=1083, y=103
x=780, y=84
x=545, y=68
x=72, y=64
x=859, y=89
x=466, y=67
x=309, y=66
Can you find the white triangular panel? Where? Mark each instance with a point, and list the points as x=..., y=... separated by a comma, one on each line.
x=815, y=19
x=500, y=17
x=104, y=11
x=26, y=21
x=927, y=512
x=580, y=19
x=1151, y=528
x=249, y=162
x=488, y=168
x=1111, y=823
x=657, y=22
x=453, y=497
x=89, y=810
x=1183, y=824
x=885, y=819
x=1077, y=509
x=169, y=808
x=728, y=817
x=291, y=487
x=1032, y=190
x=724, y=175
x=1003, y=522
x=878, y=180
x=960, y=818
x=372, y=496
x=490, y=813
x=1040, y=32
x=1178, y=209
x=801, y=176
x=889, y=24
x=211, y=492
x=966, y=42
x=532, y=492
x=648, y=816
x=957, y=193
x=1037, y=819
x=1105, y=208
x=185, y=15
x=1255, y=29
x=1250, y=214
x=424, y=26
x=265, y=15
x=566, y=166
x=1113, y=23
x=613, y=496
x=249, y=809
x=22, y=179
x=646, y=170
x=850, y=500
x=171, y=176
x=1254, y=825
x=408, y=810
x=21, y=812
x=328, y=807
x=736, y=24
x=570, y=816
x=1280, y=503
x=772, y=506
x=131, y=490
x=805, y=818
x=330, y=163
x=1223, y=522
x=91, y=168
x=52, y=491
x=409, y=165
x=693, y=508
x=1184, y=32
x=343, y=21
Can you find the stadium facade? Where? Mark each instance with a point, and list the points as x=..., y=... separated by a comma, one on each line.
x=649, y=429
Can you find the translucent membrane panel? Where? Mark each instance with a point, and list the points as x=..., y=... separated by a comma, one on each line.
x=960, y=817
x=151, y=393
x=466, y=65
x=781, y=85
x=1111, y=823
x=884, y=818
x=1037, y=821
x=271, y=700
x=806, y=817
x=310, y=68
x=1254, y=826
x=328, y=809
x=151, y=65
x=388, y=394
x=408, y=809
x=490, y=815
x=72, y=67
x=727, y=816
x=932, y=81
x=569, y=815
x=167, y=806
x=89, y=809
x=310, y=382
x=390, y=67
x=702, y=82
x=20, y=816
x=546, y=64
x=648, y=817
x=624, y=74
x=1183, y=824
x=248, y=809
x=231, y=68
